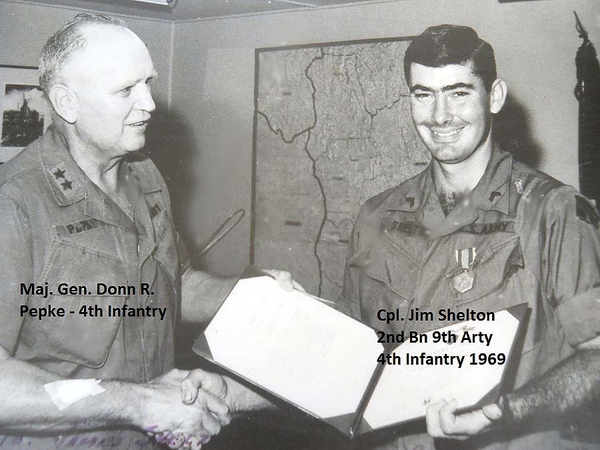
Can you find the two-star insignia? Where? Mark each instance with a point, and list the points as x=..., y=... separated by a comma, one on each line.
x=61, y=178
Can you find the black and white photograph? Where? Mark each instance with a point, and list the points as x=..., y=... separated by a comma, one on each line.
x=23, y=110
x=290, y=225
x=22, y=122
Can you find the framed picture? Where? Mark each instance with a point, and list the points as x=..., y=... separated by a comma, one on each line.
x=24, y=111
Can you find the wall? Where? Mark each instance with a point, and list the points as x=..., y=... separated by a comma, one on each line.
x=213, y=85
x=206, y=141
x=24, y=29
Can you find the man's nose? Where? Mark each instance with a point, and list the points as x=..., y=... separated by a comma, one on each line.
x=441, y=111
x=145, y=100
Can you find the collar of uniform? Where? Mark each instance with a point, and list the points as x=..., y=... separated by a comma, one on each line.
x=141, y=169
x=66, y=180
x=417, y=195
x=492, y=193
x=413, y=195
x=69, y=184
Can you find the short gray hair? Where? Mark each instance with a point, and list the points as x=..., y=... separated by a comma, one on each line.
x=61, y=45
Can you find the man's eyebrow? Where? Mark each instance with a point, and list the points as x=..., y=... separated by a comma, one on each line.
x=458, y=86
x=451, y=87
x=420, y=87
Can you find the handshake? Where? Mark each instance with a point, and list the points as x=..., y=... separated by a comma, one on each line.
x=184, y=409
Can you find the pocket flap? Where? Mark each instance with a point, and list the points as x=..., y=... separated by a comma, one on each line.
x=81, y=338
x=492, y=268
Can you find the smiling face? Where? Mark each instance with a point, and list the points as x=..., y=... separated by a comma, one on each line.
x=110, y=79
x=452, y=110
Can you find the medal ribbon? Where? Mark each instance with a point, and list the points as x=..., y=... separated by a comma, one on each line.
x=465, y=257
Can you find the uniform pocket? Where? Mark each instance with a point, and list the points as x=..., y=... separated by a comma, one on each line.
x=78, y=338
x=491, y=269
x=390, y=264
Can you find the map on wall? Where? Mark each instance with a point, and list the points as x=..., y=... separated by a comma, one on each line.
x=332, y=129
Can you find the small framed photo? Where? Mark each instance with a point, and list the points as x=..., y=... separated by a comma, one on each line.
x=24, y=110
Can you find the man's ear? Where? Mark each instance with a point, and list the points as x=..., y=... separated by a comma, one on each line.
x=64, y=101
x=498, y=94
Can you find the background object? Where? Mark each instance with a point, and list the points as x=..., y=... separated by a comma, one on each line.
x=228, y=225
x=23, y=108
x=587, y=92
x=332, y=129
x=194, y=9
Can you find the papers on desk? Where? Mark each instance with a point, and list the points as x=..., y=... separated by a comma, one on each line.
x=324, y=362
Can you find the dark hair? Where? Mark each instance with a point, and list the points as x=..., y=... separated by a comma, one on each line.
x=443, y=45
x=66, y=41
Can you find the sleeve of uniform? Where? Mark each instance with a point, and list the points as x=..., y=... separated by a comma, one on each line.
x=572, y=263
x=16, y=267
x=182, y=253
x=349, y=301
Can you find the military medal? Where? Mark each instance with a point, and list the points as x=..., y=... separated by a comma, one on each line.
x=463, y=282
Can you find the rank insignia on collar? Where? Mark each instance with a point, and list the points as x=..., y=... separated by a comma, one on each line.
x=463, y=282
x=519, y=185
x=63, y=180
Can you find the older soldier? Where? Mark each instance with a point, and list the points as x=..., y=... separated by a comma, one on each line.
x=79, y=208
x=479, y=230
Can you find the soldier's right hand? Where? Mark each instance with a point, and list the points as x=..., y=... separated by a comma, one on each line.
x=162, y=413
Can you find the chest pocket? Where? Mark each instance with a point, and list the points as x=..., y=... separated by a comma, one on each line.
x=491, y=271
x=389, y=261
x=78, y=338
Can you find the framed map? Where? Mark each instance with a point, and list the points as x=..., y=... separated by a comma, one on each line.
x=23, y=109
x=332, y=128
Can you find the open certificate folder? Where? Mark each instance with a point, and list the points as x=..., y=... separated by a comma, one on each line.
x=326, y=363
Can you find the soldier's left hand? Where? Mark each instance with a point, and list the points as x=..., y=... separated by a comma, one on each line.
x=284, y=279
x=443, y=422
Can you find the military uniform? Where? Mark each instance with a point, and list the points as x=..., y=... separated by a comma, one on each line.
x=57, y=227
x=522, y=237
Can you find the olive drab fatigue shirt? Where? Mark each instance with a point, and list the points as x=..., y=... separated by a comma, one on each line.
x=58, y=227
x=534, y=240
